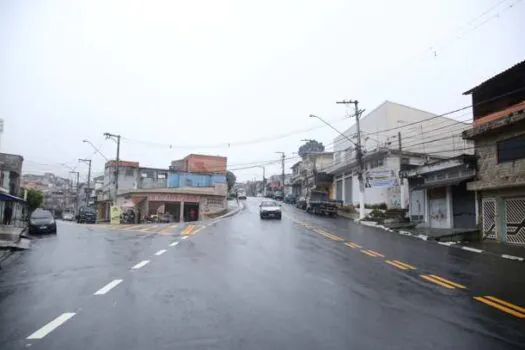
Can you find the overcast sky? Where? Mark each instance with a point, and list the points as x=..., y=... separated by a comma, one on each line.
x=199, y=75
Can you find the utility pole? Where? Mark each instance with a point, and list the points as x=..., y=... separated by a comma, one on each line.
x=264, y=180
x=401, y=180
x=359, y=156
x=115, y=138
x=88, y=192
x=283, y=156
x=76, y=199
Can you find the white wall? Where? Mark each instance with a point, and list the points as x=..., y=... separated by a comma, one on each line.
x=415, y=138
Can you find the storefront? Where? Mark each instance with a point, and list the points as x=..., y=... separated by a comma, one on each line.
x=172, y=205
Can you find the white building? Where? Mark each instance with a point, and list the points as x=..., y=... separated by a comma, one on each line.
x=393, y=137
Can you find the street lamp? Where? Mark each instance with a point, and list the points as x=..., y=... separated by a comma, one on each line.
x=96, y=149
x=88, y=192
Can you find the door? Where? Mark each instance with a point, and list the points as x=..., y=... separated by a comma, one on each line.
x=417, y=206
x=437, y=206
x=348, y=190
x=339, y=190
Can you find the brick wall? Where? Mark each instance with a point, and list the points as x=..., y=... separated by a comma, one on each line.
x=205, y=164
x=490, y=173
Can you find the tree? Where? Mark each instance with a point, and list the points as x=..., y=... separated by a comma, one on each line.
x=230, y=179
x=34, y=199
x=310, y=147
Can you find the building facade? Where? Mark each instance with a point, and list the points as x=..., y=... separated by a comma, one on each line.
x=498, y=131
x=192, y=189
x=438, y=194
x=394, y=137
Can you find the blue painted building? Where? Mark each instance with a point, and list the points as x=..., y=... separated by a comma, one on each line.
x=177, y=179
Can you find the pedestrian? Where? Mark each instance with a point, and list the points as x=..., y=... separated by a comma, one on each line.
x=8, y=212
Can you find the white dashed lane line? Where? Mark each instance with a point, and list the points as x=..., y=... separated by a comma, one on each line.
x=51, y=326
x=174, y=244
x=108, y=287
x=140, y=264
x=472, y=249
x=184, y=237
x=160, y=252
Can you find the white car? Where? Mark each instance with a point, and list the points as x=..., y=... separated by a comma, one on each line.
x=68, y=216
x=270, y=209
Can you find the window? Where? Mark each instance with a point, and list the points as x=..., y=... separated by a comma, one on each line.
x=129, y=172
x=375, y=163
x=511, y=149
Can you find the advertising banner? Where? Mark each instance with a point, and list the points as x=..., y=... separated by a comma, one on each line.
x=381, y=178
x=114, y=215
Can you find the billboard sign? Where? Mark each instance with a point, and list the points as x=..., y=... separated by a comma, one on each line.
x=381, y=178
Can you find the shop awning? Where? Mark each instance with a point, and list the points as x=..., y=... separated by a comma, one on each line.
x=444, y=183
x=6, y=197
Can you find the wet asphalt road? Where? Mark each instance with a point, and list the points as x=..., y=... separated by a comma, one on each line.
x=243, y=283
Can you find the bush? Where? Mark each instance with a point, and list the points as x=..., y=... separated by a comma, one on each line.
x=348, y=208
x=381, y=206
x=377, y=214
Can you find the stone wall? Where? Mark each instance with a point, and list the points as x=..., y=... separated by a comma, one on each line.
x=491, y=173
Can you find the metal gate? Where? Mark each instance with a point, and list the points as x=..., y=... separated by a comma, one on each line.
x=488, y=207
x=515, y=220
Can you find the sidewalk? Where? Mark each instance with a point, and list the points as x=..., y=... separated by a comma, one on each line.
x=455, y=238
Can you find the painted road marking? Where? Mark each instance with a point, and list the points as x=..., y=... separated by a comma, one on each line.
x=353, y=245
x=442, y=282
x=328, y=235
x=108, y=287
x=512, y=257
x=51, y=326
x=410, y=267
x=160, y=252
x=472, y=249
x=184, y=237
x=367, y=253
x=396, y=265
x=141, y=264
x=174, y=244
x=448, y=244
x=187, y=230
x=502, y=305
x=174, y=226
x=457, y=285
x=376, y=253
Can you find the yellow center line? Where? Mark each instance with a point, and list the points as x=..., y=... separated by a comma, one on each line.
x=376, y=253
x=500, y=307
x=457, y=285
x=351, y=245
x=428, y=278
x=503, y=302
x=396, y=265
x=367, y=253
x=405, y=265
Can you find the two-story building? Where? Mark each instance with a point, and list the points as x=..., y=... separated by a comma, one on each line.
x=195, y=188
x=10, y=193
x=498, y=132
x=394, y=137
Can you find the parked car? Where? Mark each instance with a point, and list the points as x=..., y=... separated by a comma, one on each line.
x=42, y=221
x=241, y=193
x=270, y=209
x=300, y=203
x=68, y=216
x=86, y=215
x=290, y=199
x=278, y=195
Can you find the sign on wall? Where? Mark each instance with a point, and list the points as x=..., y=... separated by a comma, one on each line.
x=114, y=215
x=381, y=178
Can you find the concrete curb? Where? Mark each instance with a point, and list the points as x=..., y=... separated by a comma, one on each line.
x=232, y=213
x=456, y=245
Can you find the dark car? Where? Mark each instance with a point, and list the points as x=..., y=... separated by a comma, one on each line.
x=86, y=216
x=42, y=221
x=278, y=196
x=290, y=199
